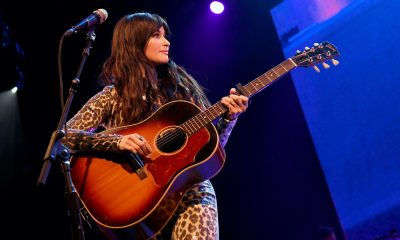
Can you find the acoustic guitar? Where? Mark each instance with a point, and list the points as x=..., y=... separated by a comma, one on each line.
x=133, y=198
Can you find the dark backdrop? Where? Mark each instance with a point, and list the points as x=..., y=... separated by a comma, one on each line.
x=271, y=187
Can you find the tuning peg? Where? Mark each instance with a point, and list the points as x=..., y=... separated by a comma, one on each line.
x=298, y=51
x=316, y=44
x=316, y=69
x=307, y=48
x=325, y=65
x=335, y=62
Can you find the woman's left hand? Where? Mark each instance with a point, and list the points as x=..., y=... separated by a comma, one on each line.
x=236, y=104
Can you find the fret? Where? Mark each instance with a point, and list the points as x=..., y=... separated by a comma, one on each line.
x=289, y=64
x=283, y=66
x=253, y=87
x=195, y=122
x=280, y=70
x=273, y=74
x=219, y=109
x=201, y=120
x=268, y=76
x=206, y=118
x=213, y=112
x=189, y=126
x=185, y=128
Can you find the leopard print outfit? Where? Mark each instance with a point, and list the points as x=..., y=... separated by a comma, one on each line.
x=196, y=217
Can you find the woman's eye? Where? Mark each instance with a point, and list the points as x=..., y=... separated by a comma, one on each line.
x=157, y=35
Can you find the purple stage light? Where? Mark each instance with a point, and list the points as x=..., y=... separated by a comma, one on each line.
x=216, y=7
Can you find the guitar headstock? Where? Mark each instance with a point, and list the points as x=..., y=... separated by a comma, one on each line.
x=319, y=53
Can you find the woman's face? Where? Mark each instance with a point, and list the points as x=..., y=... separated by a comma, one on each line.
x=157, y=48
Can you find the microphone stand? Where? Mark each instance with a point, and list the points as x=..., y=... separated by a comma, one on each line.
x=56, y=151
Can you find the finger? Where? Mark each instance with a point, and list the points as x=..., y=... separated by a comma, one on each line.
x=143, y=144
x=124, y=143
x=242, y=102
x=230, y=105
x=245, y=101
x=136, y=148
x=148, y=149
x=135, y=145
x=236, y=104
x=134, y=139
x=231, y=100
x=139, y=137
x=225, y=102
x=127, y=145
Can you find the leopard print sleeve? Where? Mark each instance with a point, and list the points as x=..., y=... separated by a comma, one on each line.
x=223, y=126
x=224, y=129
x=81, y=136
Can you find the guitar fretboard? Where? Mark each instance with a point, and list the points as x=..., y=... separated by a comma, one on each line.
x=257, y=85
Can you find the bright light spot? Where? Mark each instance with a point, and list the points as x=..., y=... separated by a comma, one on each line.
x=216, y=7
x=14, y=89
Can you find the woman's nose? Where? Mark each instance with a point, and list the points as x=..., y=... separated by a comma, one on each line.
x=166, y=42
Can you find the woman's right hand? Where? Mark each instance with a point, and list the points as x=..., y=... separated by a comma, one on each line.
x=135, y=144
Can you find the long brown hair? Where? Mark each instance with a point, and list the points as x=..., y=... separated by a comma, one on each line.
x=138, y=82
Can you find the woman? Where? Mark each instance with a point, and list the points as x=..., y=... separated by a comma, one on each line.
x=140, y=78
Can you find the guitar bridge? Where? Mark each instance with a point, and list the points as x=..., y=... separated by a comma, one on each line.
x=136, y=163
x=141, y=173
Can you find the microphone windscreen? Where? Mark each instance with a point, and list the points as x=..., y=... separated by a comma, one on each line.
x=102, y=13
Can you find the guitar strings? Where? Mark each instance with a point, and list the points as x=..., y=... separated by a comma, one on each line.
x=179, y=133
x=174, y=136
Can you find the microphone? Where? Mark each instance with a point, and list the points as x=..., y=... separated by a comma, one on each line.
x=97, y=17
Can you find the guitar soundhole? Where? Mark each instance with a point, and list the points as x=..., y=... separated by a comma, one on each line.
x=171, y=140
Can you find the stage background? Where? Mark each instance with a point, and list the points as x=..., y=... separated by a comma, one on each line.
x=312, y=150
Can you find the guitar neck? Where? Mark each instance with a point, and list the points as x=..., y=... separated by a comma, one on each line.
x=257, y=85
